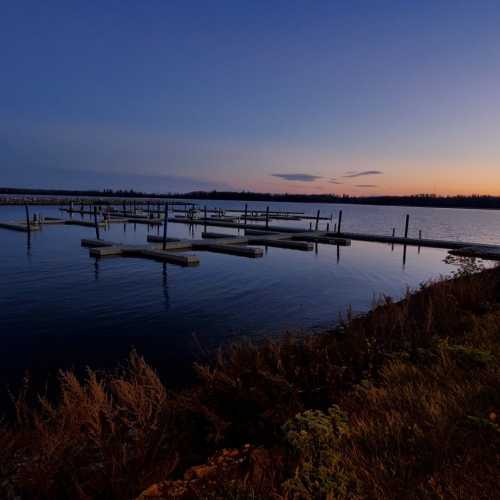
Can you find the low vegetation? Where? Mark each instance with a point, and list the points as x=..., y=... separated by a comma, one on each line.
x=401, y=403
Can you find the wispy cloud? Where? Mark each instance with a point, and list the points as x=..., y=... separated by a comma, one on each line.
x=298, y=177
x=366, y=185
x=335, y=181
x=352, y=174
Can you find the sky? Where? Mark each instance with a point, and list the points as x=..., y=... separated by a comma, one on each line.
x=348, y=97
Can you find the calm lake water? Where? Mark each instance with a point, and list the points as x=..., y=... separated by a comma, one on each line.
x=61, y=308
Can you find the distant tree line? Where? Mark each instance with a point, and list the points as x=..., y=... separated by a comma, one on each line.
x=417, y=200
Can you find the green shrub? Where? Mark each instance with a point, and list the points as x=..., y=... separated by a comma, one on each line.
x=314, y=437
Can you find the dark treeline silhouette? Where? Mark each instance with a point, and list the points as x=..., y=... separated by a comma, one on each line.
x=119, y=193
x=417, y=200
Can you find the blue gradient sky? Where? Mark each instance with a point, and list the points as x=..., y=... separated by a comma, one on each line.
x=358, y=97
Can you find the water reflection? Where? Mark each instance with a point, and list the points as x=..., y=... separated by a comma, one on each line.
x=165, y=287
x=28, y=243
x=121, y=301
x=96, y=268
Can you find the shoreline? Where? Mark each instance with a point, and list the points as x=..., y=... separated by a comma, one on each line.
x=402, y=401
x=12, y=197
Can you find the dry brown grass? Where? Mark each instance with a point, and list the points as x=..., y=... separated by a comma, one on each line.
x=417, y=383
x=106, y=437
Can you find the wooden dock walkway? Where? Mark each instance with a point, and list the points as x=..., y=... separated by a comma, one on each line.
x=161, y=248
x=101, y=248
x=36, y=225
x=19, y=226
x=461, y=248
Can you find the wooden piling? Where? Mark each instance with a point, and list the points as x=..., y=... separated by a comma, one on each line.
x=165, y=223
x=246, y=214
x=407, y=223
x=340, y=222
x=96, y=222
x=317, y=220
x=267, y=217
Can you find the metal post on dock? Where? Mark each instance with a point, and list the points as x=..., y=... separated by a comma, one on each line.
x=96, y=222
x=317, y=220
x=340, y=222
x=165, y=222
x=267, y=217
x=406, y=225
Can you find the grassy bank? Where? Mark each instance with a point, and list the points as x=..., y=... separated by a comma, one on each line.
x=401, y=403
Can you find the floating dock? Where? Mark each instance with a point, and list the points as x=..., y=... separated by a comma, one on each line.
x=100, y=248
x=461, y=248
x=161, y=248
x=19, y=226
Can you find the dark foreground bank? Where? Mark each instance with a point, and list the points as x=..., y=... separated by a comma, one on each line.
x=401, y=403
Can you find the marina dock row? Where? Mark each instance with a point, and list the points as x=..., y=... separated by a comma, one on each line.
x=161, y=248
x=256, y=235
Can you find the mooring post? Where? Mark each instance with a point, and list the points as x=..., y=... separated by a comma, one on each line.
x=28, y=224
x=135, y=208
x=419, y=234
x=406, y=225
x=205, y=218
x=267, y=217
x=246, y=212
x=327, y=227
x=335, y=228
x=96, y=222
x=165, y=222
x=340, y=222
x=317, y=220
x=393, y=232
